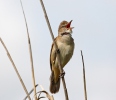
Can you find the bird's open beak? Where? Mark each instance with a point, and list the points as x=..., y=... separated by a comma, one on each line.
x=69, y=24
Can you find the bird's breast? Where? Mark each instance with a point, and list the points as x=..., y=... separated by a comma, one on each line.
x=66, y=51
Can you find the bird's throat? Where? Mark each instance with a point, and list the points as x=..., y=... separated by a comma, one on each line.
x=65, y=33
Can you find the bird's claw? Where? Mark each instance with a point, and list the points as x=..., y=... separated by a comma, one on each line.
x=62, y=74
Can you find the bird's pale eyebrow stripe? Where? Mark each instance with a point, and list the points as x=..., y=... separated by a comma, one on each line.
x=63, y=25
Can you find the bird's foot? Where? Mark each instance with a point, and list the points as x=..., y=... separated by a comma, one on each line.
x=62, y=74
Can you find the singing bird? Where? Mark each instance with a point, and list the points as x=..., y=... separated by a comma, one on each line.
x=65, y=45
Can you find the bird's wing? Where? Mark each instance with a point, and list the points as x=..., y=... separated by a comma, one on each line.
x=52, y=55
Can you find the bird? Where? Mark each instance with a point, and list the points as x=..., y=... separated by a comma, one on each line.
x=65, y=44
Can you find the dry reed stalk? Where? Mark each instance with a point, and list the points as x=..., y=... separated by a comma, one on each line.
x=14, y=66
x=84, y=78
x=30, y=92
x=56, y=47
x=30, y=52
x=50, y=97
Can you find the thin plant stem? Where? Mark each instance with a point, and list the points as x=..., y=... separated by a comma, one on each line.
x=30, y=52
x=50, y=97
x=30, y=92
x=84, y=78
x=56, y=47
x=14, y=66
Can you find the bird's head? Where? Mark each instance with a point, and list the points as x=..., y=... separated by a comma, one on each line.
x=65, y=28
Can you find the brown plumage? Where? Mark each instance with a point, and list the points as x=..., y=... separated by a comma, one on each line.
x=65, y=45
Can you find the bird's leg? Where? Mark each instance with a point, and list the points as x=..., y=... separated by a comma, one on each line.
x=62, y=74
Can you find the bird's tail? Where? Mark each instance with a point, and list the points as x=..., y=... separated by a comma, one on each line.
x=54, y=87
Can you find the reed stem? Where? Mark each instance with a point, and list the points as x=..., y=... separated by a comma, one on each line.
x=84, y=78
x=30, y=52
x=56, y=47
x=14, y=66
x=30, y=92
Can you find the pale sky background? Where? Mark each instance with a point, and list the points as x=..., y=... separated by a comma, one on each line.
x=94, y=34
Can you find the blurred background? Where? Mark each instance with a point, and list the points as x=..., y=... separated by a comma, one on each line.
x=94, y=34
